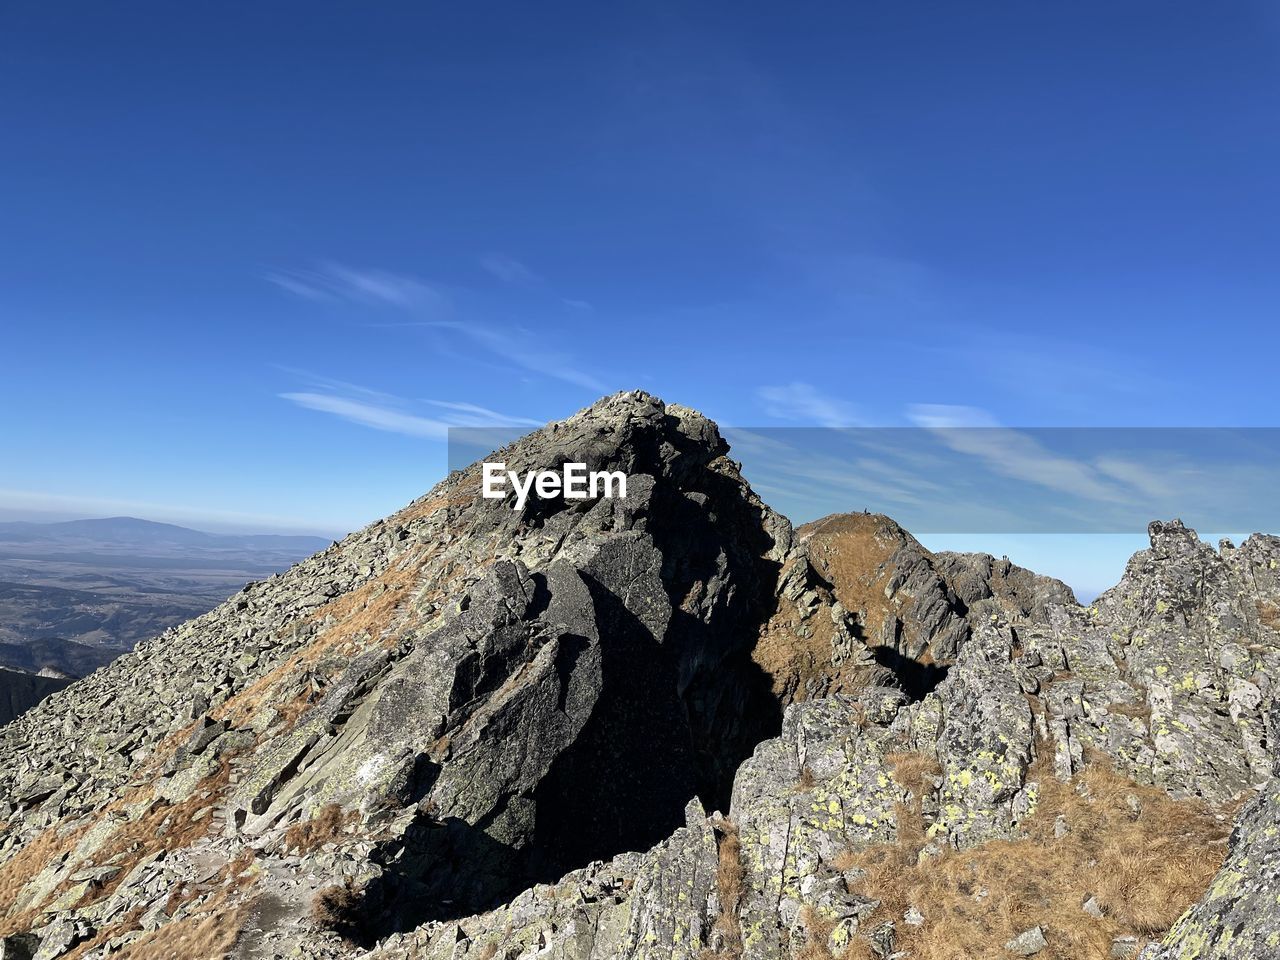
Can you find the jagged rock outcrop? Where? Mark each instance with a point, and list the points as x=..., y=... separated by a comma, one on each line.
x=1171, y=671
x=661, y=903
x=978, y=580
x=874, y=607
x=1009, y=715
x=1001, y=720
x=662, y=725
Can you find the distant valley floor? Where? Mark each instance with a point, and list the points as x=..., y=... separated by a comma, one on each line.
x=76, y=595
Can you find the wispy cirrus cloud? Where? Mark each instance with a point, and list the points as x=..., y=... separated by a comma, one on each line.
x=426, y=306
x=524, y=349
x=804, y=402
x=381, y=411
x=334, y=281
x=509, y=269
x=1017, y=454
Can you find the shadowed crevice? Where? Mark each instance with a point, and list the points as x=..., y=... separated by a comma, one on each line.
x=916, y=679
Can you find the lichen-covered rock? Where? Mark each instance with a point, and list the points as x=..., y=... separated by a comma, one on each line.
x=1171, y=672
x=1239, y=918
x=805, y=798
x=979, y=724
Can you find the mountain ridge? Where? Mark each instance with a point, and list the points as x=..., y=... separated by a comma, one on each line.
x=397, y=745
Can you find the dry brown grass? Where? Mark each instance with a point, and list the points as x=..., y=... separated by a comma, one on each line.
x=424, y=508
x=817, y=930
x=18, y=871
x=730, y=884
x=328, y=824
x=1269, y=614
x=806, y=780
x=367, y=610
x=205, y=936
x=793, y=661
x=913, y=771
x=463, y=494
x=197, y=931
x=337, y=908
x=1134, y=711
x=163, y=827
x=852, y=551
x=1143, y=869
x=123, y=925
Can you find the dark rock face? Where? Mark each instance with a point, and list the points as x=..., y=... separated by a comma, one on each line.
x=977, y=578
x=19, y=692
x=528, y=728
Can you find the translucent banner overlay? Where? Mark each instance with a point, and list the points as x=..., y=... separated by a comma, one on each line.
x=965, y=480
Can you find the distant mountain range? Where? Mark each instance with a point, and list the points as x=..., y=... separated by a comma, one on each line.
x=74, y=595
x=126, y=534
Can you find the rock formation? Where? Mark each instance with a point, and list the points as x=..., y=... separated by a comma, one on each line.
x=666, y=725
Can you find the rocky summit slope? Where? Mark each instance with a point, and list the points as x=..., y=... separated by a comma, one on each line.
x=665, y=725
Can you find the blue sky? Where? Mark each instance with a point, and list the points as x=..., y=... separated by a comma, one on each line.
x=257, y=257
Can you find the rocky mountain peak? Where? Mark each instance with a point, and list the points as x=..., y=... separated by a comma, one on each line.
x=1172, y=539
